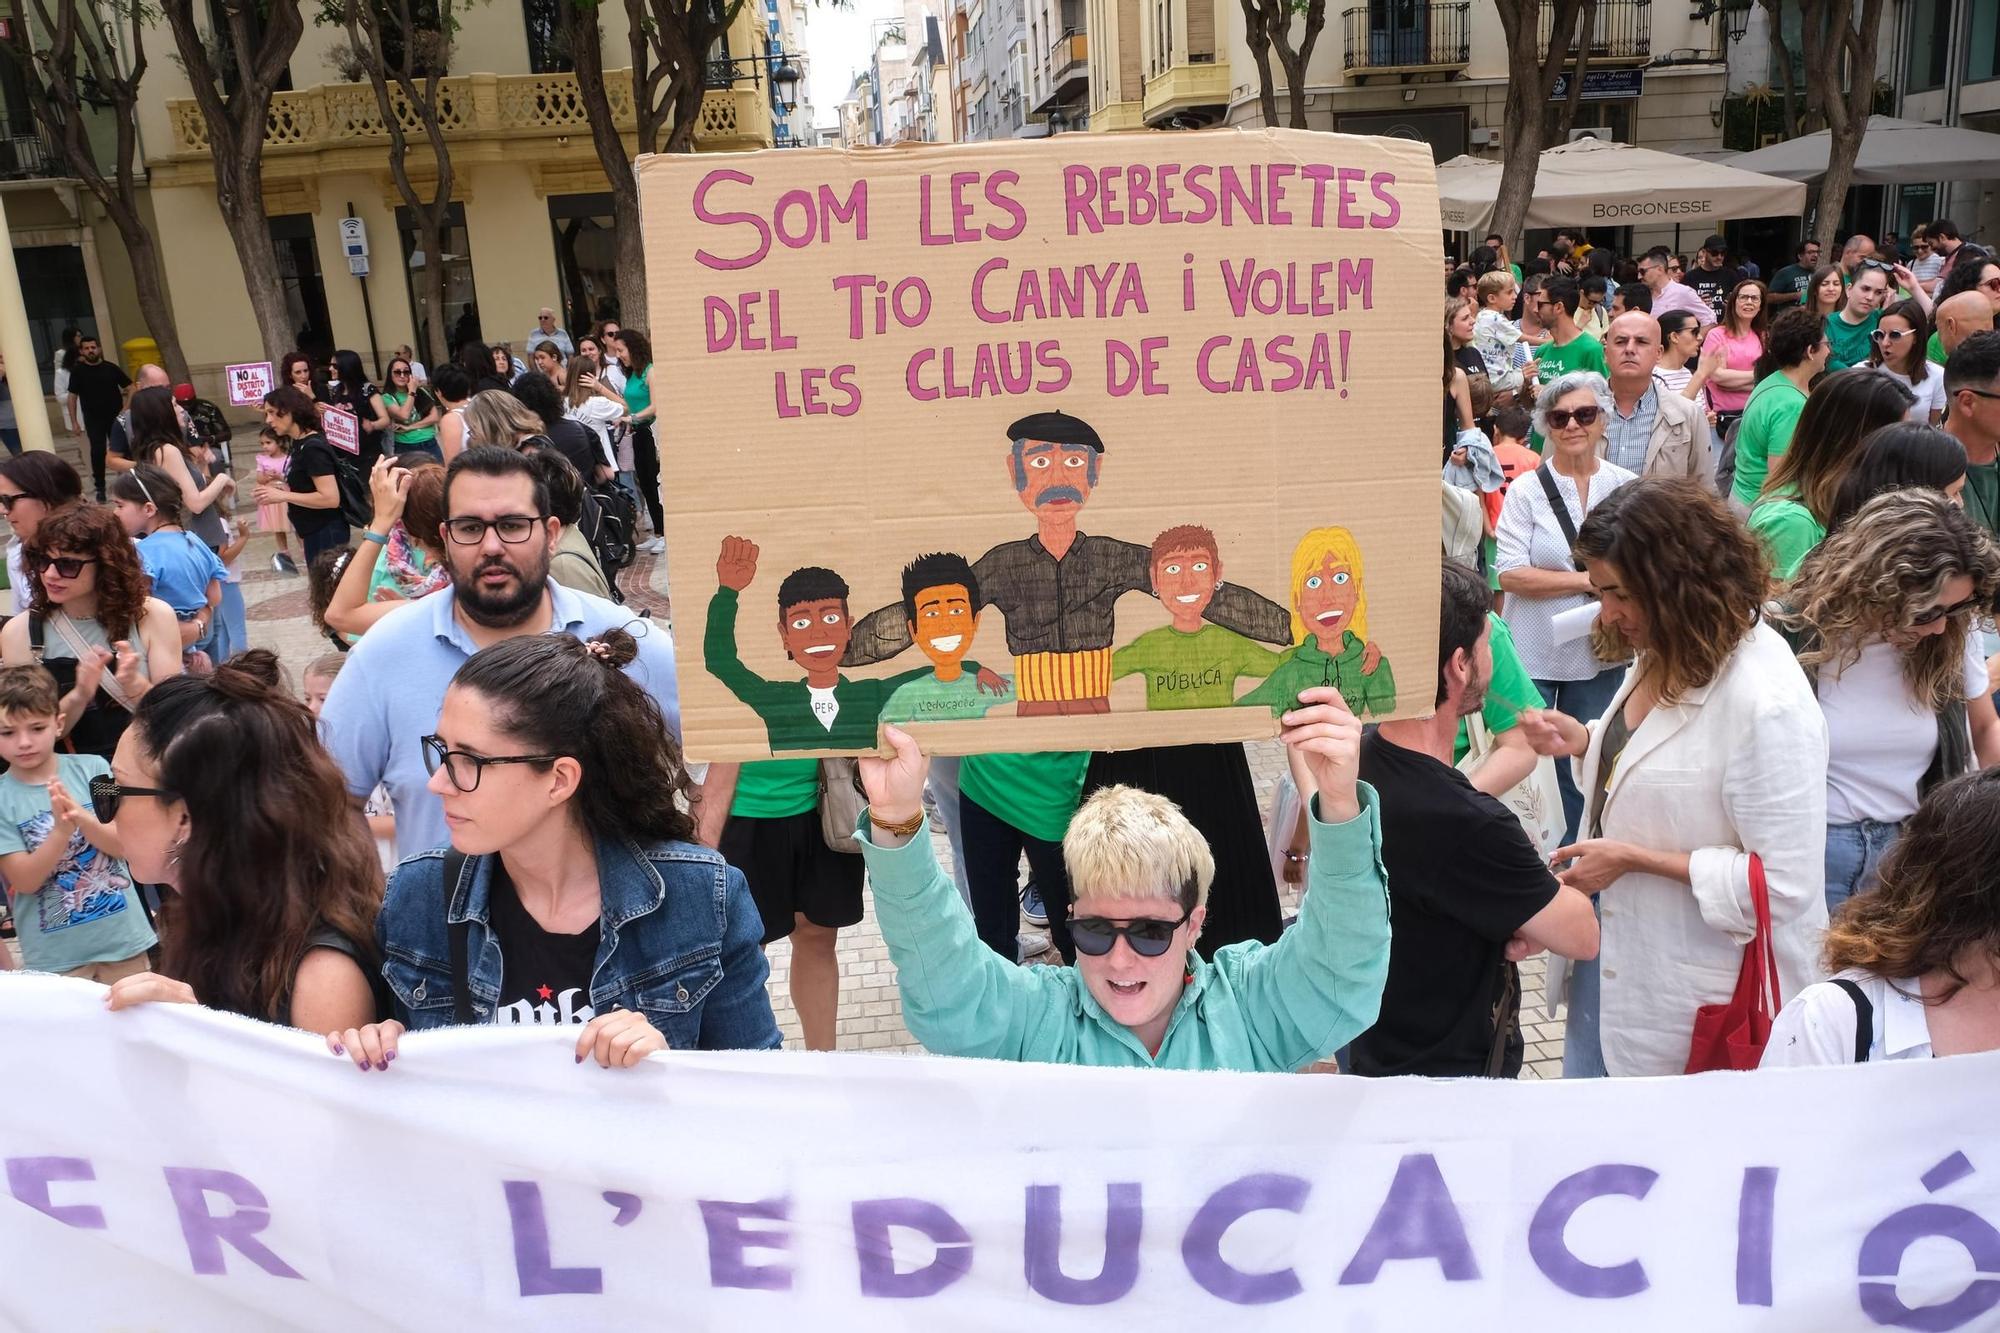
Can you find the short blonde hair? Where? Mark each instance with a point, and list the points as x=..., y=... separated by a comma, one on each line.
x=1128, y=843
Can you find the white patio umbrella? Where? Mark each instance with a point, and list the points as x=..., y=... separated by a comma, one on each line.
x=1595, y=182
x=1893, y=152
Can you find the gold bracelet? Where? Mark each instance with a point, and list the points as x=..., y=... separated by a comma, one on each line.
x=900, y=829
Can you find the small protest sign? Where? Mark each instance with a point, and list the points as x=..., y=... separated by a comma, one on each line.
x=248, y=383
x=1096, y=443
x=341, y=428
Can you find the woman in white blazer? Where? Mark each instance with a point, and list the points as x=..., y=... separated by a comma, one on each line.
x=1713, y=749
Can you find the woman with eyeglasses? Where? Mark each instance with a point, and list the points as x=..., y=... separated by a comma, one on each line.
x=1538, y=524
x=572, y=893
x=413, y=409
x=1898, y=351
x=92, y=624
x=33, y=485
x=1843, y=410
x=212, y=793
x=1140, y=994
x=1879, y=617
x=311, y=491
x=1738, y=339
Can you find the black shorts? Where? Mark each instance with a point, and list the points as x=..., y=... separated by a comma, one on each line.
x=792, y=872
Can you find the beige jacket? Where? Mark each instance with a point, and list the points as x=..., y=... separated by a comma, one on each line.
x=1681, y=444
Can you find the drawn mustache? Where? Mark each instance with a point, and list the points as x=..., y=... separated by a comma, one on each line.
x=1055, y=493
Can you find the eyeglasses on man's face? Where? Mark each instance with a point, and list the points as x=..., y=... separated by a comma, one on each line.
x=513, y=529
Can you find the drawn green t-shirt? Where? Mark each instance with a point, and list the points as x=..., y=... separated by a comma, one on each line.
x=776, y=789
x=928, y=699
x=1197, y=670
x=1306, y=666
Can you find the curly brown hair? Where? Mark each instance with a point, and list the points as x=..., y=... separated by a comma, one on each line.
x=1939, y=896
x=1870, y=578
x=1694, y=569
x=93, y=531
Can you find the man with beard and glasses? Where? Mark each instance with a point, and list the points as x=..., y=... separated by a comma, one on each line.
x=498, y=537
x=1464, y=879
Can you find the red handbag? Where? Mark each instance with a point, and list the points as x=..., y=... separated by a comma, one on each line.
x=1732, y=1035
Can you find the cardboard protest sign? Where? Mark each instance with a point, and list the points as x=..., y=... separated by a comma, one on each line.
x=1093, y=443
x=341, y=428
x=248, y=383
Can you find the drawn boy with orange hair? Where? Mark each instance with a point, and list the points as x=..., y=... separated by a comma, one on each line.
x=1190, y=663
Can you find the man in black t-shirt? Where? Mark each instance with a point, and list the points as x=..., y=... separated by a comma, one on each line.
x=1713, y=276
x=97, y=395
x=1464, y=879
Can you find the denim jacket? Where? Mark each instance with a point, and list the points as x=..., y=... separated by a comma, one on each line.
x=678, y=941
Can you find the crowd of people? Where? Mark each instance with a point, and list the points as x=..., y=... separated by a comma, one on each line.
x=1726, y=602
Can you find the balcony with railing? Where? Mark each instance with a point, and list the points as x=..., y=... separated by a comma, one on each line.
x=1408, y=36
x=1068, y=67
x=29, y=157
x=509, y=107
x=1621, y=31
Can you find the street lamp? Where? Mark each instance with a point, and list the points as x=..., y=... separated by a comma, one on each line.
x=785, y=85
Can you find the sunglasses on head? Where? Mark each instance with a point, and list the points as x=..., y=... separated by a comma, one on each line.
x=66, y=566
x=1148, y=936
x=1582, y=416
x=1930, y=615
x=106, y=793
x=1877, y=265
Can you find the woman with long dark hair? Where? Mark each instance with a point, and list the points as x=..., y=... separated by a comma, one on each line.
x=572, y=884
x=157, y=439
x=212, y=793
x=311, y=492
x=1842, y=411
x=93, y=624
x=645, y=390
x=33, y=485
x=351, y=388
x=1896, y=457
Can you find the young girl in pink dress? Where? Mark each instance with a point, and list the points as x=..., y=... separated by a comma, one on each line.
x=273, y=456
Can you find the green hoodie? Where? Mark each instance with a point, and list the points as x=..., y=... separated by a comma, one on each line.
x=1255, y=1007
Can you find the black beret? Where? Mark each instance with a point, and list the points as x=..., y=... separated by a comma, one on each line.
x=1056, y=428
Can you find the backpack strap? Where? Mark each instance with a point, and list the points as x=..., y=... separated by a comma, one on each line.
x=35, y=630
x=1864, y=1019
x=1547, y=477
x=460, y=932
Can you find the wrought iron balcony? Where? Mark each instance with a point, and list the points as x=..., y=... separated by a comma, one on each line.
x=1621, y=31
x=1408, y=35
x=29, y=157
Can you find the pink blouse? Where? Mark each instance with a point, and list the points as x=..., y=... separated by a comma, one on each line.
x=1740, y=354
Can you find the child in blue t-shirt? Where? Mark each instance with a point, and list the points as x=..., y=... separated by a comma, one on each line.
x=75, y=908
x=186, y=574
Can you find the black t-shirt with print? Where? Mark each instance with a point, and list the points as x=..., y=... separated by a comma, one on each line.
x=1463, y=877
x=1712, y=285
x=544, y=977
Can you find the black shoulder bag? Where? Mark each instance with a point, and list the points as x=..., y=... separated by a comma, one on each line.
x=1864, y=1019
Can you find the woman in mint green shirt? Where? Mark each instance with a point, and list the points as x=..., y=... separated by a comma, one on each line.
x=642, y=405
x=1795, y=352
x=1845, y=409
x=1140, y=995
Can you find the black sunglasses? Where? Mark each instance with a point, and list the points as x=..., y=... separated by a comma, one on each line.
x=1148, y=936
x=105, y=794
x=7, y=501
x=464, y=769
x=1930, y=615
x=68, y=566
x=1582, y=416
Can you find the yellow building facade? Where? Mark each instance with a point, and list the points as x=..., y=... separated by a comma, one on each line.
x=531, y=208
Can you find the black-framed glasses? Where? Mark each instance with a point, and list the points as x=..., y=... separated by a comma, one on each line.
x=1930, y=615
x=106, y=793
x=1149, y=936
x=513, y=528
x=1560, y=418
x=464, y=768
x=67, y=566
x=1977, y=393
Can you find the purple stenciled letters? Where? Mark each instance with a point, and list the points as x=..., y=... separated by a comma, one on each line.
x=205, y=1232
x=28, y=1180
x=728, y=1241
x=1756, y=1219
x=1418, y=1220
x=533, y=1268
x=1551, y=1252
x=1201, y=1247
x=1042, y=1257
x=876, y=1250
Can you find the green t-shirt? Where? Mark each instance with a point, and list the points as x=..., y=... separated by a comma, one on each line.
x=1036, y=793
x=1934, y=349
x=1849, y=344
x=1982, y=495
x=928, y=699
x=1510, y=690
x=1197, y=670
x=1788, y=530
x=1306, y=666
x=1790, y=279
x=775, y=788
x=86, y=911
x=1765, y=432
x=1582, y=352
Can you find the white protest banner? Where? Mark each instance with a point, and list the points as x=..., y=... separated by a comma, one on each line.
x=248, y=383
x=341, y=428
x=171, y=1168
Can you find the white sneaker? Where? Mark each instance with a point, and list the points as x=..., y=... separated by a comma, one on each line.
x=657, y=546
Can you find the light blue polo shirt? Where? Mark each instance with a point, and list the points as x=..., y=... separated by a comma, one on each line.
x=386, y=698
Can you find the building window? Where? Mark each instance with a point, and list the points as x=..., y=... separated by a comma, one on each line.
x=461, y=305
x=1930, y=36
x=548, y=44
x=305, y=288
x=1982, y=44
x=586, y=258
x=56, y=291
